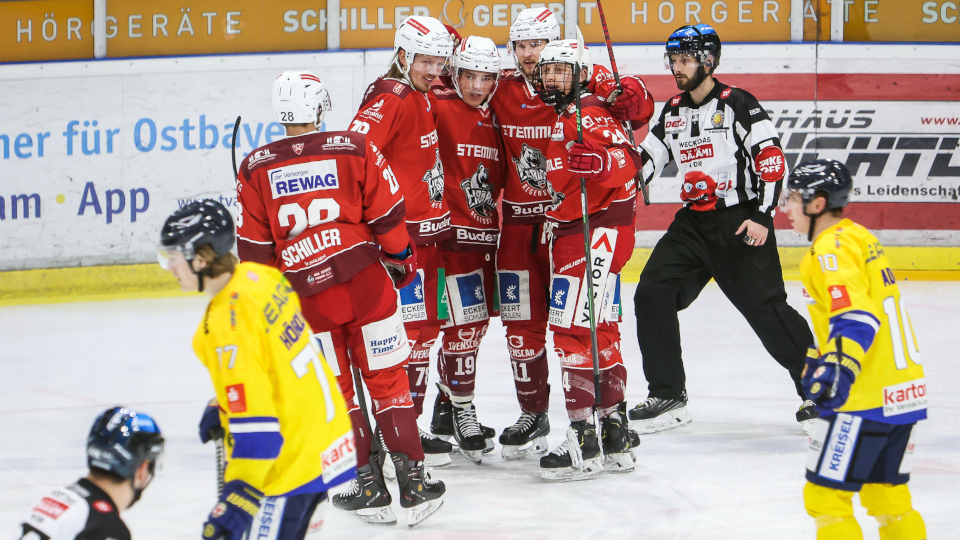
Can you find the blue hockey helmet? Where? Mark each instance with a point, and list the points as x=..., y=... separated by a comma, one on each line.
x=121, y=440
x=824, y=175
x=699, y=40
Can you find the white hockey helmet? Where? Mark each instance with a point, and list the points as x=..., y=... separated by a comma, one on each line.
x=533, y=23
x=476, y=53
x=300, y=98
x=422, y=35
x=563, y=51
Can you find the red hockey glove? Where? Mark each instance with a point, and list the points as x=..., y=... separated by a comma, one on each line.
x=629, y=103
x=402, y=267
x=589, y=160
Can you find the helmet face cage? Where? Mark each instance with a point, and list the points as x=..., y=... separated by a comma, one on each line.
x=299, y=97
x=121, y=440
x=562, y=52
x=476, y=53
x=532, y=23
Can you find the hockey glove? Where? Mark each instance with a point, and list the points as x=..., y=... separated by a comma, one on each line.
x=629, y=103
x=402, y=267
x=819, y=385
x=233, y=515
x=589, y=160
x=210, y=427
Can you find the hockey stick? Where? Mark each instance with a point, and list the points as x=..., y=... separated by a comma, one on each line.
x=217, y=435
x=836, y=373
x=233, y=146
x=616, y=77
x=594, y=347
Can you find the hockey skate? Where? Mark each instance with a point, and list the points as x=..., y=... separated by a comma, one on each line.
x=467, y=432
x=618, y=442
x=807, y=416
x=527, y=437
x=577, y=458
x=367, y=496
x=657, y=414
x=436, y=453
x=420, y=495
x=441, y=425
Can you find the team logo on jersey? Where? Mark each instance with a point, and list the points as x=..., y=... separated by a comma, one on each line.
x=303, y=178
x=675, y=101
x=102, y=506
x=556, y=197
x=298, y=148
x=726, y=93
x=717, y=119
x=434, y=179
x=479, y=192
x=531, y=168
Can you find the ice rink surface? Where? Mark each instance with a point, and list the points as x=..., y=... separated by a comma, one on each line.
x=735, y=473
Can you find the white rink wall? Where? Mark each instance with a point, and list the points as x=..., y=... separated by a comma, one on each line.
x=94, y=155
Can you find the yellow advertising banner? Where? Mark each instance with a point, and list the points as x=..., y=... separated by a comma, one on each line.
x=62, y=29
x=45, y=30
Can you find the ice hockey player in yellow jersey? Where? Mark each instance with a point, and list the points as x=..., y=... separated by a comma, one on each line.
x=864, y=374
x=288, y=434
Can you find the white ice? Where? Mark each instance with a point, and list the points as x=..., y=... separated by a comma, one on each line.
x=735, y=473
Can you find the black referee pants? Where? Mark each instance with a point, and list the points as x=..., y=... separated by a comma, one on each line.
x=703, y=245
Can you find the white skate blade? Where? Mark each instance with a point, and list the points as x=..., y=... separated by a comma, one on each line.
x=674, y=419
x=416, y=514
x=434, y=460
x=807, y=425
x=619, y=463
x=474, y=456
x=377, y=516
x=591, y=468
x=490, y=446
x=535, y=448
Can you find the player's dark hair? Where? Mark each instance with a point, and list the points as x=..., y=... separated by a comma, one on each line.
x=100, y=474
x=217, y=265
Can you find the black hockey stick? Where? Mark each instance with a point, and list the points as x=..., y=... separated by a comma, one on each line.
x=216, y=435
x=616, y=77
x=233, y=146
x=594, y=346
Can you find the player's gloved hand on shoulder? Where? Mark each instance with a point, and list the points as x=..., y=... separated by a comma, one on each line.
x=210, y=427
x=402, y=267
x=589, y=160
x=819, y=385
x=629, y=103
x=234, y=513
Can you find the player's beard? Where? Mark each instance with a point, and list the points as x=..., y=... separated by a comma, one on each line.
x=692, y=83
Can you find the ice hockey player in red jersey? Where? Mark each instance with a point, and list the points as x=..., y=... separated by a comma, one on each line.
x=399, y=117
x=327, y=209
x=609, y=163
x=523, y=263
x=472, y=154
